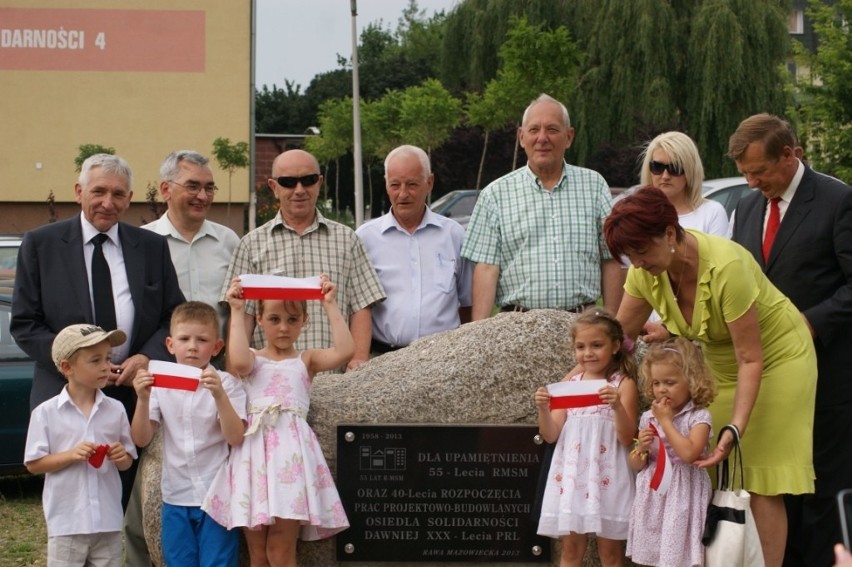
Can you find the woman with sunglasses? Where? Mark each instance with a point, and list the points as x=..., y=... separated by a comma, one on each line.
x=671, y=163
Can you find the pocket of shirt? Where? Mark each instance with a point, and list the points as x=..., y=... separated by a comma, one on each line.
x=445, y=273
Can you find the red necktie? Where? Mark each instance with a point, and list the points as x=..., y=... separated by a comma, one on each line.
x=771, y=226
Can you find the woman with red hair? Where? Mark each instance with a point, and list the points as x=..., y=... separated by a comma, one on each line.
x=711, y=290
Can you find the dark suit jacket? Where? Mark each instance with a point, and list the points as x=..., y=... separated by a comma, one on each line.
x=811, y=263
x=52, y=292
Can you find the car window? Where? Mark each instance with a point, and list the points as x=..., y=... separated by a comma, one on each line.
x=8, y=348
x=463, y=207
x=729, y=196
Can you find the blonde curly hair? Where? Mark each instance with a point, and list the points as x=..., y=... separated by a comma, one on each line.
x=686, y=357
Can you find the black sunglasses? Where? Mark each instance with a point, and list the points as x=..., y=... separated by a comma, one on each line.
x=658, y=167
x=291, y=182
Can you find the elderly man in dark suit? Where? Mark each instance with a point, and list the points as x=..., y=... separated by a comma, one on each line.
x=798, y=226
x=57, y=279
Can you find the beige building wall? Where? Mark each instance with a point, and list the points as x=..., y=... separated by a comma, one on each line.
x=142, y=76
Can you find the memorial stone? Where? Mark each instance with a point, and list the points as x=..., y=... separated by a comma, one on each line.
x=483, y=373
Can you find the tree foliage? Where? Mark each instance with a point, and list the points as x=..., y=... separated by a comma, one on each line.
x=88, y=150
x=825, y=111
x=428, y=114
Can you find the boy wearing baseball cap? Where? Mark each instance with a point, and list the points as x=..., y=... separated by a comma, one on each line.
x=79, y=440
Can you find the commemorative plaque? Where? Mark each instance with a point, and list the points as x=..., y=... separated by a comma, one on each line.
x=439, y=493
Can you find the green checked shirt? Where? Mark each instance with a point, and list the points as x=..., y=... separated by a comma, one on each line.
x=324, y=247
x=548, y=245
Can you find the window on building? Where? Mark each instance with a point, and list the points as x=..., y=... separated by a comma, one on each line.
x=796, y=22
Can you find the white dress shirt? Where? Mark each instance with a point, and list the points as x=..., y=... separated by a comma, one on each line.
x=202, y=264
x=425, y=278
x=124, y=310
x=79, y=499
x=194, y=447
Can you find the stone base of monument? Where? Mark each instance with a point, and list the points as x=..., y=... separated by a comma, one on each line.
x=483, y=373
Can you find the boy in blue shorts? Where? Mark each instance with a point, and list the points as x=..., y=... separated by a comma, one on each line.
x=198, y=427
x=80, y=439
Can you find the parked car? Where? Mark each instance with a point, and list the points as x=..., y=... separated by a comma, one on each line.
x=16, y=377
x=727, y=190
x=9, y=246
x=457, y=205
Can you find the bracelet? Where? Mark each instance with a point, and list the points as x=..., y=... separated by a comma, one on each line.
x=641, y=454
x=734, y=429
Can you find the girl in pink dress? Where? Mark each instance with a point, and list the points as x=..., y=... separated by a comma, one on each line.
x=666, y=529
x=277, y=485
x=590, y=486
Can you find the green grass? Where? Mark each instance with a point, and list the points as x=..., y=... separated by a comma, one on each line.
x=23, y=535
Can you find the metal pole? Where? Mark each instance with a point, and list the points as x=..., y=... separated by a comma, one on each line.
x=356, y=123
x=252, y=212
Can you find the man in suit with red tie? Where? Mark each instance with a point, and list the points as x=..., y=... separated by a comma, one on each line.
x=798, y=226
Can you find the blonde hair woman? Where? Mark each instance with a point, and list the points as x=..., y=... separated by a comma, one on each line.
x=671, y=163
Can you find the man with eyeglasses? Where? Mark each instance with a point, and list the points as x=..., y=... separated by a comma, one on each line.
x=417, y=254
x=536, y=234
x=201, y=249
x=300, y=242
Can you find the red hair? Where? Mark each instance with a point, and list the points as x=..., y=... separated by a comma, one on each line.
x=638, y=218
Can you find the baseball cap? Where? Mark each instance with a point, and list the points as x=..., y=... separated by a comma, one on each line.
x=74, y=337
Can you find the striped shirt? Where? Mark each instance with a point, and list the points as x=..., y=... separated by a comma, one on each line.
x=548, y=245
x=324, y=247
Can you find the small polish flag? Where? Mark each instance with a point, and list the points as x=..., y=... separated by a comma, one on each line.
x=256, y=286
x=577, y=394
x=174, y=376
x=662, y=477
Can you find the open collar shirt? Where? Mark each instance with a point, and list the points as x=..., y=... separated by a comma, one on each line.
x=201, y=265
x=194, y=447
x=423, y=273
x=79, y=499
x=549, y=245
x=324, y=247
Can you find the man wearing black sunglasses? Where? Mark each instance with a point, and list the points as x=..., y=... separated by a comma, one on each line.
x=300, y=242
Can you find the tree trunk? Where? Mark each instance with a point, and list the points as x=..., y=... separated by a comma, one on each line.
x=482, y=161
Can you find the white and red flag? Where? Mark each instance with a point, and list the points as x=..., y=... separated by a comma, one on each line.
x=662, y=477
x=577, y=394
x=256, y=286
x=174, y=376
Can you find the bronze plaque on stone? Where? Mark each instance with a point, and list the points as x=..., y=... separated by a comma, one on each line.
x=439, y=493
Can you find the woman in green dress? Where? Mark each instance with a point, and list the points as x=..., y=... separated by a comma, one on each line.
x=757, y=345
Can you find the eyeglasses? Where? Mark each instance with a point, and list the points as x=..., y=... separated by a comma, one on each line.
x=194, y=188
x=290, y=182
x=658, y=167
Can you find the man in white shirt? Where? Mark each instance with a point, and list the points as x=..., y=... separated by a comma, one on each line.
x=417, y=255
x=201, y=249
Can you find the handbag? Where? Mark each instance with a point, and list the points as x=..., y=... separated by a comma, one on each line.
x=730, y=535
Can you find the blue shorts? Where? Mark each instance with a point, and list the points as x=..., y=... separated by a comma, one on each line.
x=192, y=538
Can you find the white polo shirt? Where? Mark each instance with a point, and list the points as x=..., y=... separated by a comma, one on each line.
x=79, y=499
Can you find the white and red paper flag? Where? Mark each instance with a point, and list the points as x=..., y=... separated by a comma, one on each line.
x=175, y=376
x=256, y=286
x=662, y=477
x=578, y=394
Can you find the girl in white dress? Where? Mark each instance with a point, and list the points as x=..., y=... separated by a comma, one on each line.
x=590, y=486
x=277, y=485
